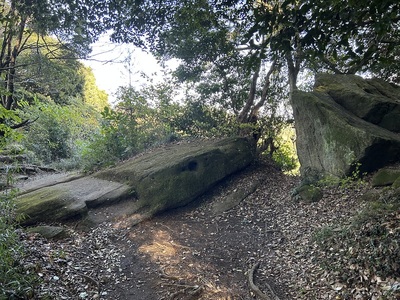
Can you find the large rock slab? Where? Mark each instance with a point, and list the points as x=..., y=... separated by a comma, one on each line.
x=175, y=176
x=372, y=100
x=68, y=200
x=333, y=141
x=165, y=178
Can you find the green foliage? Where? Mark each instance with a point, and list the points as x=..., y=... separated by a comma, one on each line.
x=278, y=142
x=50, y=71
x=199, y=120
x=15, y=283
x=134, y=125
x=286, y=155
x=48, y=139
x=23, y=31
x=148, y=117
x=94, y=97
x=353, y=180
x=59, y=132
x=7, y=119
x=286, y=159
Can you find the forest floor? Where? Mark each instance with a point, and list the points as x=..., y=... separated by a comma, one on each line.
x=262, y=248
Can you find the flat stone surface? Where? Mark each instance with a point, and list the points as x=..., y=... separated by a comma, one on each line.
x=161, y=179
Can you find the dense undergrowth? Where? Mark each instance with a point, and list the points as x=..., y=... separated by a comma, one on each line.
x=15, y=282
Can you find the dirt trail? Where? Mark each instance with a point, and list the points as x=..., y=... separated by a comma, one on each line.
x=198, y=251
x=191, y=253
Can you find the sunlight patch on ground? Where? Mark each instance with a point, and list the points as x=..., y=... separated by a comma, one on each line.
x=180, y=272
x=161, y=247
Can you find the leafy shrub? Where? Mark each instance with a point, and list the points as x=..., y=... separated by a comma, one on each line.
x=284, y=152
x=14, y=282
x=58, y=132
x=355, y=179
x=48, y=139
x=126, y=130
x=7, y=118
x=199, y=120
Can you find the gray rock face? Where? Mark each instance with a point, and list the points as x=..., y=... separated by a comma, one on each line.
x=159, y=180
x=338, y=125
x=175, y=176
x=372, y=100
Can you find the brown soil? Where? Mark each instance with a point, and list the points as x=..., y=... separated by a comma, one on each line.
x=191, y=253
x=195, y=253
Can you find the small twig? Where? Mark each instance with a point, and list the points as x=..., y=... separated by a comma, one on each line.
x=164, y=275
x=186, y=286
x=255, y=288
x=90, y=279
x=190, y=289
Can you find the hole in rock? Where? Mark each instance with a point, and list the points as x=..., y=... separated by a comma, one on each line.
x=192, y=166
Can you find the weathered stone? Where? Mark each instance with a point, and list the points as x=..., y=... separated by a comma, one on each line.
x=175, y=176
x=161, y=179
x=385, y=177
x=49, y=232
x=233, y=198
x=396, y=183
x=372, y=100
x=66, y=200
x=332, y=141
x=307, y=193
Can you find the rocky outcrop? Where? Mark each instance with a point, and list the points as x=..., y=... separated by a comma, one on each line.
x=165, y=178
x=386, y=177
x=68, y=199
x=372, y=100
x=346, y=124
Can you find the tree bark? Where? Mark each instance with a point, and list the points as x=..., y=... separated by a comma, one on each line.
x=244, y=114
x=267, y=84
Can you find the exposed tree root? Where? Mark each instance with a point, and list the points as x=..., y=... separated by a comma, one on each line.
x=183, y=288
x=90, y=280
x=255, y=288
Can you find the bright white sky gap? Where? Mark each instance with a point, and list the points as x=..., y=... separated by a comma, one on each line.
x=107, y=63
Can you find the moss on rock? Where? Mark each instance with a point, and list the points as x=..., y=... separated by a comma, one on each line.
x=332, y=140
x=49, y=204
x=385, y=177
x=158, y=180
x=176, y=175
x=308, y=193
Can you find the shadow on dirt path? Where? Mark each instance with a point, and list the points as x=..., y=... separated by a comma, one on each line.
x=193, y=253
x=211, y=249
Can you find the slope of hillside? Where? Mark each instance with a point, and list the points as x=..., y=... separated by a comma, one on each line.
x=265, y=247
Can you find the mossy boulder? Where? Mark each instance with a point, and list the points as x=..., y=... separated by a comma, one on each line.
x=372, y=100
x=396, y=183
x=67, y=200
x=385, y=177
x=307, y=193
x=161, y=179
x=176, y=175
x=333, y=141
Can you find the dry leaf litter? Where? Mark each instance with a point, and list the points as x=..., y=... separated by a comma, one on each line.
x=194, y=253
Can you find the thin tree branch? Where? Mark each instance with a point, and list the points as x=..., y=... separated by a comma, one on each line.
x=252, y=93
x=266, y=87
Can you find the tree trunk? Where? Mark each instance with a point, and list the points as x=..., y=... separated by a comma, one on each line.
x=264, y=94
x=244, y=114
x=293, y=72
